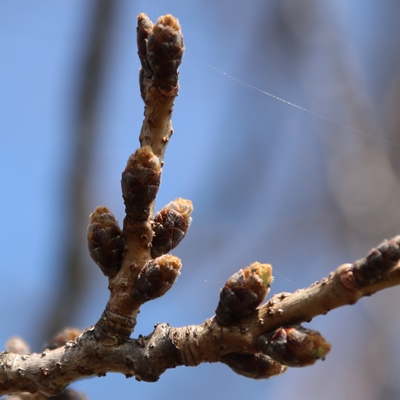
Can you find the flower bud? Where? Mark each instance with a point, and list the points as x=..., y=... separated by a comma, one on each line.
x=144, y=28
x=243, y=292
x=254, y=366
x=63, y=337
x=17, y=345
x=165, y=51
x=156, y=278
x=170, y=226
x=378, y=262
x=140, y=183
x=294, y=346
x=105, y=241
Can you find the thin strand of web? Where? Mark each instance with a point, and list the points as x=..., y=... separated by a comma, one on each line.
x=289, y=103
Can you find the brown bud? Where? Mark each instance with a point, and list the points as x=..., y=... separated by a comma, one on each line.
x=66, y=335
x=170, y=226
x=165, y=51
x=254, y=366
x=294, y=346
x=243, y=292
x=156, y=278
x=140, y=183
x=105, y=241
x=378, y=261
x=17, y=345
x=144, y=28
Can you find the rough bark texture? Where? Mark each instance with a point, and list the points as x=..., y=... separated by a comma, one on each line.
x=254, y=341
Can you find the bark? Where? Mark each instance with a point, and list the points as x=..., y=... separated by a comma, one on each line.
x=146, y=358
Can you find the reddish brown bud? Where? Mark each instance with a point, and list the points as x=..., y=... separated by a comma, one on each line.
x=66, y=335
x=254, y=366
x=165, y=51
x=243, y=292
x=170, y=226
x=156, y=278
x=105, y=241
x=140, y=183
x=294, y=346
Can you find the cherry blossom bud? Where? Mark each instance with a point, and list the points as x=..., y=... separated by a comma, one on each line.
x=378, y=262
x=243, y=292
x=170, y=226
x=165, y=50
x=66, y=335
x=105, y=241
x=156, y=278
x=17, y=345
x=140, y=183
x=294, y=346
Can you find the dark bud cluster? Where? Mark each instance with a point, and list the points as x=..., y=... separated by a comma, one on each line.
x=170, y=226
x=294, y=346
x=105, y=241
x=243, y=293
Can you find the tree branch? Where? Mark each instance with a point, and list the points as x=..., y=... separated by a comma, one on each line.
x=148, y=357
x=254, y=341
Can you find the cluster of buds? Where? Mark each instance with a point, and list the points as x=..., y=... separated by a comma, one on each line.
x=243, y=293
x=160, y=50
x=288, y=346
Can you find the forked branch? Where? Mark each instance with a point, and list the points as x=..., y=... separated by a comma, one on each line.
x=254, y=340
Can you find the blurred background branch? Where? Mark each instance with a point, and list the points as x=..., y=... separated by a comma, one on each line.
x=73, y=277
